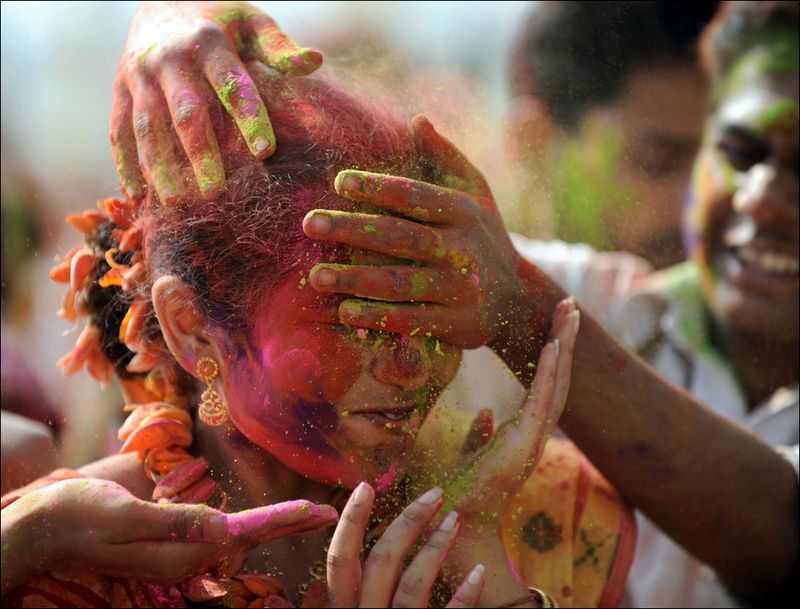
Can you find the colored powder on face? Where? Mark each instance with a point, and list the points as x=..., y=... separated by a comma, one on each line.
x=773, y=52
x=585, y=185
x=780, y=116
x=227, y=17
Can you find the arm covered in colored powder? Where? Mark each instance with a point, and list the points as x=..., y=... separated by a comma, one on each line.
x=716, y=489
x=180, y=62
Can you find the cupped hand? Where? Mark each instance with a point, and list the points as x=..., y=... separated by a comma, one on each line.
x=464, y=284
x=180, y=60
x=381, y=581
x=100, y=525
x=484, y=486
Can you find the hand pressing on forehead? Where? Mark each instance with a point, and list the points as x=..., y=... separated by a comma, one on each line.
x=464, y=284
x=180, y=60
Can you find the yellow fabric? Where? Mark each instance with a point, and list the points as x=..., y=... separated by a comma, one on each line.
x=568, y=532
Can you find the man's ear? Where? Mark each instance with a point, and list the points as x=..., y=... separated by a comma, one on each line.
x=531, y=128
x=184, y=327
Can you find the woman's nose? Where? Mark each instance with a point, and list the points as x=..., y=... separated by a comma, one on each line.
x=403, y=361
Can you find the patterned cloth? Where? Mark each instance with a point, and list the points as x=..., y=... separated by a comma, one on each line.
x=568, y=533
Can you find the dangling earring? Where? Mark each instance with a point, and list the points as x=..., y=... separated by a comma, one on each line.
x=212, y=409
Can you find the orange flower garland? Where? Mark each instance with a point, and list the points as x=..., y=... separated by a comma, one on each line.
x=159, y=431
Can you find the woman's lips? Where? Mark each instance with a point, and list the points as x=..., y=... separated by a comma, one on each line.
x=395, y=419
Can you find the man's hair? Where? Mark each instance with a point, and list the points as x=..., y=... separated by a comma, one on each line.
x=740, y=26
x=577, y=55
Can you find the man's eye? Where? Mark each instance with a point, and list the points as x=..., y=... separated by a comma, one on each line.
x=741, y=157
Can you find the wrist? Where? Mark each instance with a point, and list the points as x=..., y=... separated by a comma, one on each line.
x=527, y=317
x=503, y=583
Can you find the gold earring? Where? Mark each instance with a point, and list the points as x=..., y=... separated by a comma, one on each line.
x=212, y=409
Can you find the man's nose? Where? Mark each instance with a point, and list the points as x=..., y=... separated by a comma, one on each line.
x=403, y=361
x=769, y=195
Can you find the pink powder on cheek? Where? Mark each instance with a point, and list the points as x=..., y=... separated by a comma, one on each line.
x=385, y=481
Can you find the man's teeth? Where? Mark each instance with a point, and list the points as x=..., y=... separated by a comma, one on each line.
x=772, y=262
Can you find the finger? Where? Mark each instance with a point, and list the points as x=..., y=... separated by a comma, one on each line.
x=123, y=143
x=385, y=561
x=187, y=105
x=343, y=561
x=411, y=198
x=414, y=587
x=151, y=122
x=278, y=51
x=259, y=525
x=174, y=521
x=385, y=234
x=480, y=432
x=470, y=589
x=411, y=319
x=518, y=441
x=237, y=92
x=395, y=283
x=458, y=171
x=567, y=336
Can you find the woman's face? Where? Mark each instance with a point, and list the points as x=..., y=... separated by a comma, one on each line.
x=336, y=404
x=742, y=220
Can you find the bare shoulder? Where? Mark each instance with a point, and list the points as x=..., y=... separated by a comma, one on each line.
x=124, y=470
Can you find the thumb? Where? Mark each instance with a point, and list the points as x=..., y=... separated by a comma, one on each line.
x=177, y=522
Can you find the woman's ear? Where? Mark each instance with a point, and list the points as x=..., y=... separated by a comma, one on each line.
x=183, y=326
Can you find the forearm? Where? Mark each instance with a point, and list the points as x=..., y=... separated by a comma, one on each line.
x=716, y=489
x=23, y=556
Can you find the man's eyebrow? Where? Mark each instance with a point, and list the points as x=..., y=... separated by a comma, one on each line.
x=742, y=133
x=669, y=142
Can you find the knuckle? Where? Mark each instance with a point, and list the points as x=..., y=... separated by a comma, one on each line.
x=407, y=590
x=187, y=110
x=210, y=34
x=179, y=524
x=439, y=540
x=337, y=562
x=143, y=126
x=379, y=558
x=400, y=282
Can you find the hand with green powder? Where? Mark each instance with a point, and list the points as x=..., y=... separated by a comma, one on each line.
x=180, y=62
x=466, y=283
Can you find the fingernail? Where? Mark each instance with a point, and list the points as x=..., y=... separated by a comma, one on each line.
x=449, y=523
x=216, y=528
x=347, y=182
x=576, y=318
x=556, y=347
x=477, y=575
x=361, y=494
x=319, y=224
x=432, y=496
x=260, y=145
x=326, y=278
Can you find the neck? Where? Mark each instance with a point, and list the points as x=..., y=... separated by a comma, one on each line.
x=250, y=475
x=761, y=365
